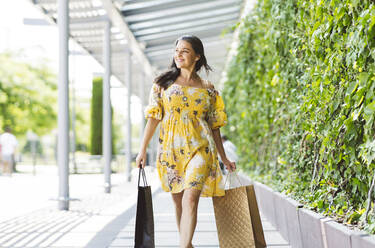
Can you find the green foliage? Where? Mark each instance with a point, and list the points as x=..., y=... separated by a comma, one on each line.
x=96, y=129
x=96, y=117
x=27, y=96
x=301, y=104
x=116, y=129
x=82, y=124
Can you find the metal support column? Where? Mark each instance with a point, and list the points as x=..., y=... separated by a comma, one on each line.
x=73, y=116
x=63, y=105
x=128, y=79
x=142, y=98
x=107, y=120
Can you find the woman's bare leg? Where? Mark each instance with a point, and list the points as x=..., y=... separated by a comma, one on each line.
x=177, y=200
x=188, y=220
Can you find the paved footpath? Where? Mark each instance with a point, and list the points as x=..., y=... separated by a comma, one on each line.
x=166, y=234
x=29, y=216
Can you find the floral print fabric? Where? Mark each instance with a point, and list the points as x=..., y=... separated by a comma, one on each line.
x=187, y=154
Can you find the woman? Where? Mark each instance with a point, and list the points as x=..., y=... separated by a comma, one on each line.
x=191, y=111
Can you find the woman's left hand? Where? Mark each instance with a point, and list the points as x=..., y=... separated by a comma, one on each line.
x=231, y=166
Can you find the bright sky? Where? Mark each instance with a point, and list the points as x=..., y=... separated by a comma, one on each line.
x=40, y=43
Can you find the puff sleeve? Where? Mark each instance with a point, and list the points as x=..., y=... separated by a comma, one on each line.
x=154, y=109
x=217, y=116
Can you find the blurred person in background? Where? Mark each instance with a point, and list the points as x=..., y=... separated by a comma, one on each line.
x=9, y=145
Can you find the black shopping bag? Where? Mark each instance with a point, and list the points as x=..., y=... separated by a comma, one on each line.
x=144, y=224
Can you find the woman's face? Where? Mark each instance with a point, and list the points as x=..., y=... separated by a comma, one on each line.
x=184, y=55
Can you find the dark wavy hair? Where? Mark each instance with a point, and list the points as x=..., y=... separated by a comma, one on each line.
x=167, y=78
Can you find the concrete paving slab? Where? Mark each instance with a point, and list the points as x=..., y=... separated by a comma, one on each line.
x=43, y=225
x=95, y=219
x=291, y=208
x=267, y=203
x=280, y=214
x=274, y=238
x=362, y=240
x=311, y=232
x=166, y=234
x=337, y=235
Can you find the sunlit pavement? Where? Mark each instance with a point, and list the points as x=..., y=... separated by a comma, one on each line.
x=166, y=234
x=29, y=215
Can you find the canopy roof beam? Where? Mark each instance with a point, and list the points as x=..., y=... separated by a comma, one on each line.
x=118, y=21
x=203, y=29
x=183, y=18
x=185, y=25
x=181, y=10
x=148, y=4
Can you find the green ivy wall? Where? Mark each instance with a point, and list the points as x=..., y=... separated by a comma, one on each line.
x=301, y=104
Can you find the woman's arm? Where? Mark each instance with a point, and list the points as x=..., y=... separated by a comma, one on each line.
x=231, y=166
x=149, y=131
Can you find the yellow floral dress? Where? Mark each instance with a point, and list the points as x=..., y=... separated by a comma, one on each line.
x=187, y=154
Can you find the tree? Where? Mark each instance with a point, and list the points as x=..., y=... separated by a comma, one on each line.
x=27, y=96
x=97, y=119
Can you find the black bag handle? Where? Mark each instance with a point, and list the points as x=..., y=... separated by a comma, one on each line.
x=142, y=171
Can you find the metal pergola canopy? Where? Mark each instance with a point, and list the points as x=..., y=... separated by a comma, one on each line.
x=149, y=29
x=133, y=40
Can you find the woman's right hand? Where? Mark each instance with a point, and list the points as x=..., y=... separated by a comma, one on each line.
x=141, y=159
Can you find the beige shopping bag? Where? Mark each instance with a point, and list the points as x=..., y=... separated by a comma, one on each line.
x=255, y=218
x=233, y=219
